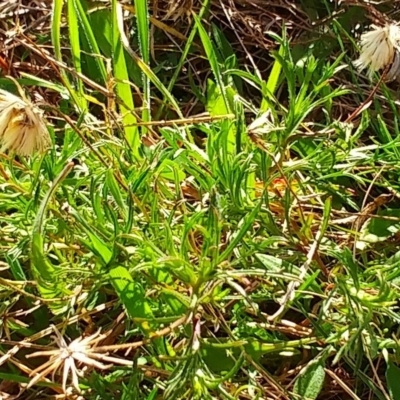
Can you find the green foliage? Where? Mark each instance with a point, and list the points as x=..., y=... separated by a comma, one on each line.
x=310, y=381
x=392, y=379
x=224, y=255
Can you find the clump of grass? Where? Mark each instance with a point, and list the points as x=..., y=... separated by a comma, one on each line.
x=244, y=248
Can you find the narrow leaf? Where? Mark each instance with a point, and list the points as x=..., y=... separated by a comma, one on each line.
x=310, y=380
x=393, y=380
x=132, y=297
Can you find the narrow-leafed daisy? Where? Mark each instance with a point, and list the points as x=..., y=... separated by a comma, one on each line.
x=378, y=48
x=23, y=129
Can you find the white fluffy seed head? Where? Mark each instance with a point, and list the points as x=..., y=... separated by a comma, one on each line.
x=23, y=130
x=378, y=47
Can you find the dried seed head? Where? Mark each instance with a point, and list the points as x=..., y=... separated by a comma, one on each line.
x=378, y=48
x=23, y=130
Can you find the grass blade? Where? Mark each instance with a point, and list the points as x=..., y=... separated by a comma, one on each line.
x=142, y=21
x=122, y=86
x=91, y=39
x=42, y=269
x=73, y=28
